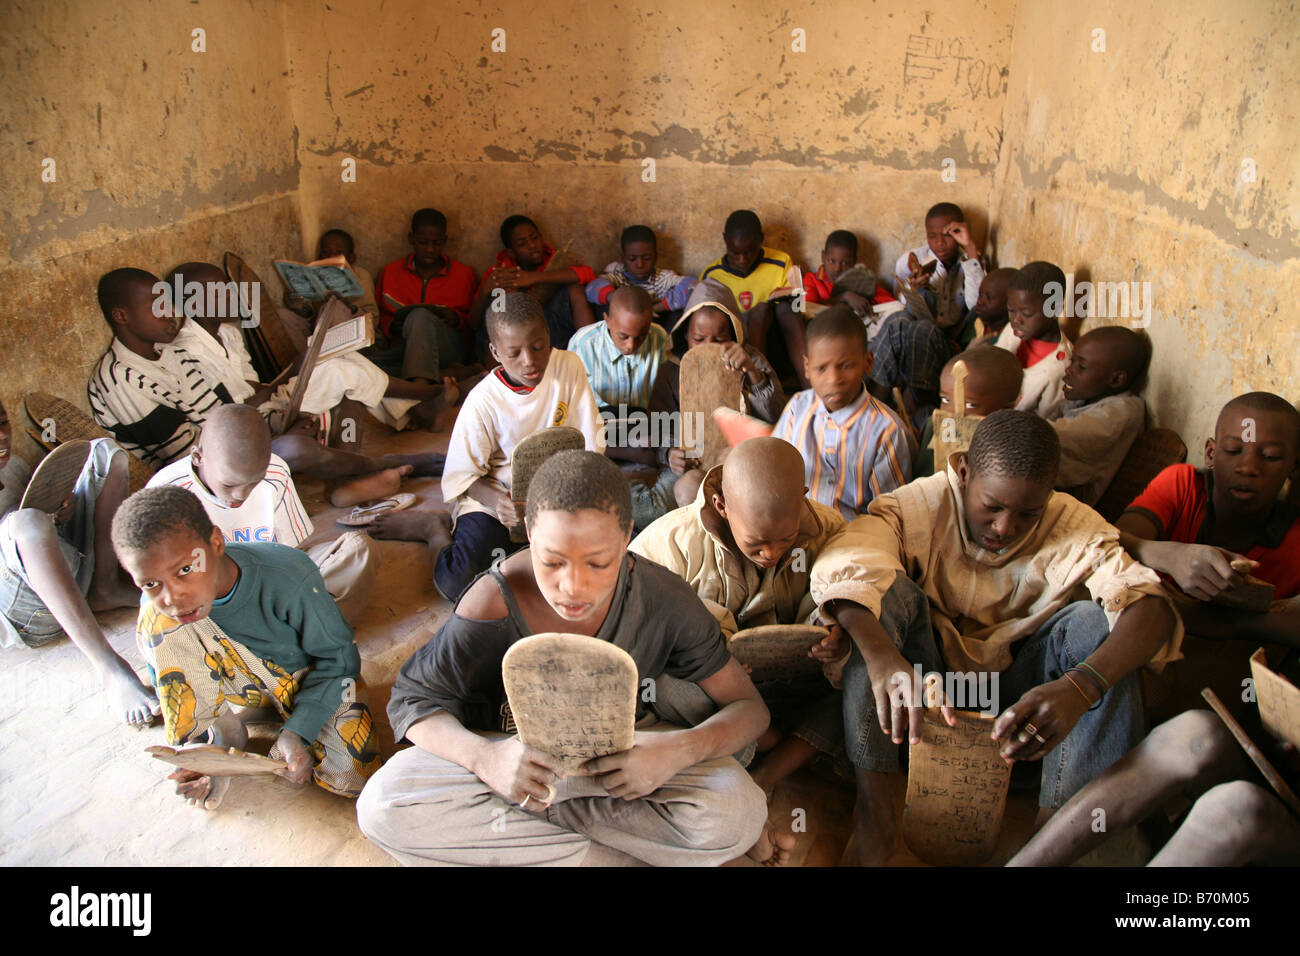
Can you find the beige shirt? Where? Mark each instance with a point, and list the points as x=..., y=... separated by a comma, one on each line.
x=695, y=544
x=980, y=601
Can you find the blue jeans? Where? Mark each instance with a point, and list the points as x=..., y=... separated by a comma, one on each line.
x=1099, y=738
x=477, y=540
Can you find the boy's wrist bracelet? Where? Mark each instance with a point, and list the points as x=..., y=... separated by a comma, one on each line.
x=1105, y=684
x=1082, y=693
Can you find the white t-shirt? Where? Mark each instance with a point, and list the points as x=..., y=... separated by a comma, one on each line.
x=224, y=360
x=495, y=417
x=273, y=512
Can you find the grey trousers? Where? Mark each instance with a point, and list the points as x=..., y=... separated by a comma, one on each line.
x=426, y=811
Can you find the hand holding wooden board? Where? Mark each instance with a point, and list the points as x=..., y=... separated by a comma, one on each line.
x=571, y=696
x=956, y=791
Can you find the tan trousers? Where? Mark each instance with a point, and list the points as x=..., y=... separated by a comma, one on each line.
x=426, y=811
x=349, y=566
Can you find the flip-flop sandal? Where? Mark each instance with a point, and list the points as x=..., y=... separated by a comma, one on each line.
x=362, y=516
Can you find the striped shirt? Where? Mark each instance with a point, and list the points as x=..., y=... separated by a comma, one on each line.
x=618, y=379
x=757, y=285
x=153, y=408
x=272, y=512
x=850, y=456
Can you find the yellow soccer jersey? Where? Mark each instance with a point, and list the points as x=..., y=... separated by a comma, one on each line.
x=766, y=277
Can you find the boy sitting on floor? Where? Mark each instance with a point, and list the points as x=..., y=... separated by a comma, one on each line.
x=153, y=396
x=752, y=273
x=424, y=304
x=974, y=569
x=526, y=264
x=839, y=255
x=1191, y=524
x=57, y=565
x=674, y=799
x=1035, y=338
x=948, y=244
x=333, y=243
x=534, y=387
x=853, y=446
x=1099, y=417
x=249, y=494
x=993, y=379
x=245, y=626
x=622, y=355
x=711, y=316
x=745, y=546
x=990, y=308
x=666, y=288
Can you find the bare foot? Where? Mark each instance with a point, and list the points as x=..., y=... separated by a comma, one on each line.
x=199, y=790
x=425, y=414
x=771, y=849
x=134, y=701
x=379, y=484
x=428, y=465
x=426, y=526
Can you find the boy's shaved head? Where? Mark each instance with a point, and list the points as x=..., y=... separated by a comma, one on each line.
x=1015, y=444
x=232, y=453
x=115, y=288
x=1127, y=350
x=154, y=514
x=839, y=321
x=520, y=309
x=994, y=373
x=237, y=433
x=1265, y=402
x=762, y=498
x=1034, y=277
x=743, y=224
x=763, y=476
x=631, y=299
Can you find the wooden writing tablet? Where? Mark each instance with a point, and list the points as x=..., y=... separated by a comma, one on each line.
x=209, y=759
x=529, y=455
x=706, y=384
x=953, y=432
x=956, y=791
x=777, y=651
x=571, y=696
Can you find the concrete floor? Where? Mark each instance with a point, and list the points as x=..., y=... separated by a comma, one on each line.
x=78, y=789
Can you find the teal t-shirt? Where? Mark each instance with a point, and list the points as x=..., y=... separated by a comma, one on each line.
x=281, y=612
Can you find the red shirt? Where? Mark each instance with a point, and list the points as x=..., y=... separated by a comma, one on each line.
x=818, y=288
x=1178, y=501
x=398, y=286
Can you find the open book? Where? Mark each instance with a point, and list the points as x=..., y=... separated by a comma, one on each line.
x=315, y=280
x=346, y=335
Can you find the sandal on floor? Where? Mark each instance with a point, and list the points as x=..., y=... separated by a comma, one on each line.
x=362, y=516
